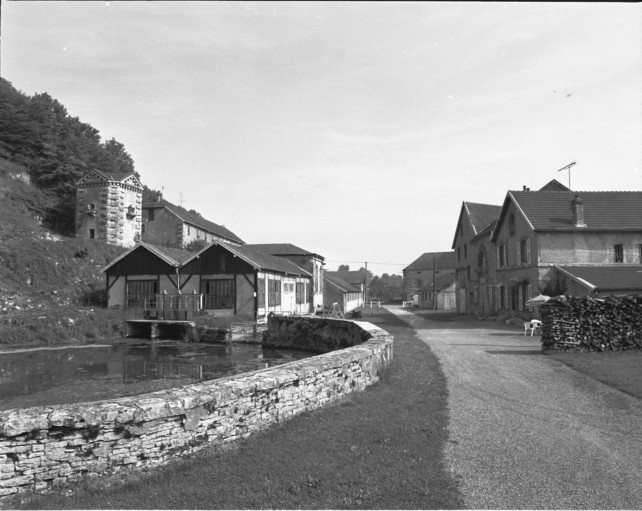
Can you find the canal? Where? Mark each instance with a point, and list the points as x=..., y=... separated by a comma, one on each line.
x=119, y=368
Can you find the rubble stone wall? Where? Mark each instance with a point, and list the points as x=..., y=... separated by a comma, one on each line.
x=42, y=446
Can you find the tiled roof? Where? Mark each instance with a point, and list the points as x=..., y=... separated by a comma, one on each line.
x=606, y=278
x=554, y=186
x=340, y=283
x=481, y=215
x=193, y=219
x=550, y=211
x=443, y=261
x=264, y=261
x=172, y=256
x=353, y=277
x=281, y=249
x=441, y=282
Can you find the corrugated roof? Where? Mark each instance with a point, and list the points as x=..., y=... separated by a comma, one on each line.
x=193, y=219
x=281, y=249
x=606, y=278
x=550, y=211
x=443, y=260
x=341, y=284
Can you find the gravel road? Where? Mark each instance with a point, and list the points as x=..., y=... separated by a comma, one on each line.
x=525, y=431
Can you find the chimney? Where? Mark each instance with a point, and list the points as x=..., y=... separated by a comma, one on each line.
x=577, y=209
x=159, y=197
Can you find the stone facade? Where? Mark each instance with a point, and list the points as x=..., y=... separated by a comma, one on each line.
x=42, y=446
x=108, y=208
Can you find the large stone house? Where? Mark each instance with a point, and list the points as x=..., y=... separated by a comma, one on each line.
x=567, y=242
x=108, y=207
x=474, y=257
x=423, y=272
x=164, y=223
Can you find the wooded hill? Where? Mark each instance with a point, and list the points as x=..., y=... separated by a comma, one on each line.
x=37, y=133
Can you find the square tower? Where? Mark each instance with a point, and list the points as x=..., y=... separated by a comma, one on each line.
x=108, y=207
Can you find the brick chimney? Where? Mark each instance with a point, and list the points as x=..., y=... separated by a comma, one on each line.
x=577, y=209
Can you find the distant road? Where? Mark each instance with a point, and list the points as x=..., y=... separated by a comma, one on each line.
x=527, y=431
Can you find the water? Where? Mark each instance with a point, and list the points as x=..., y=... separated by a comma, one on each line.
x=48, y=376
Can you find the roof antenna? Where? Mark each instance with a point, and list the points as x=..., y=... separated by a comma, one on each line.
x=569, y=172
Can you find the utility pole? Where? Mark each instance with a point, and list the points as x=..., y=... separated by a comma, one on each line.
x=365, y=285
x=434, y=286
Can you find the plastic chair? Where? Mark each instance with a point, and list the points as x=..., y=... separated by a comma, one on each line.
x=529, y=326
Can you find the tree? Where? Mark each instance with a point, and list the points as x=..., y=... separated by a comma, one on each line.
x=344, y=267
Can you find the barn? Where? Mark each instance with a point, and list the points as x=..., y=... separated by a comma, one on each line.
x=153, y=282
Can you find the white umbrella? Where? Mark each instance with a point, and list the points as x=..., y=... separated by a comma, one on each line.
x=538, y=300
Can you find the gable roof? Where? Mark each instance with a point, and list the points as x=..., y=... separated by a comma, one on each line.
x=479, y=215
x=353, y=277
x=551, y=211
x=442, y=261
x=192, y=219
x=282, y=249
x=554, y=186
x=341, y=284
x=605, y=279
x=441, y=282
x=99, y=175
x=172, y=256
x=259, y=260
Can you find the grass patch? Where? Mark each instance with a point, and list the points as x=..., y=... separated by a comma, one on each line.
x=378, y=449
x=619, y=369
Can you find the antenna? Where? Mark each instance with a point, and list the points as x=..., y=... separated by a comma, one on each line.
x=569, y=172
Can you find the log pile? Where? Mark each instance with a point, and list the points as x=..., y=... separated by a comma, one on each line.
x=592, y=324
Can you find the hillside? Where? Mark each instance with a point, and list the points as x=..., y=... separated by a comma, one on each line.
x=51, y=288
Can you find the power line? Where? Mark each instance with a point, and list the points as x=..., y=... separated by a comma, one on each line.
x=369, y=262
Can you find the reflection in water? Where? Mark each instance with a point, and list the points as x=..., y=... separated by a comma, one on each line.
x=31, y=371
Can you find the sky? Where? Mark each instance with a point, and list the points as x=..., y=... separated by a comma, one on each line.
x=354, y=130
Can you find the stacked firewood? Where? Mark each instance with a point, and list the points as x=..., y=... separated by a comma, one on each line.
x=592, y=324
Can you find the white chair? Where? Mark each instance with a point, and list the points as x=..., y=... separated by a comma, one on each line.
x=533, y=325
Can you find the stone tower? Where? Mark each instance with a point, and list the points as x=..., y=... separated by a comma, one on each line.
x=108, y=207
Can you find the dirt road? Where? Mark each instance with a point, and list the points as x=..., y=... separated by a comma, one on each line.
x=526, y=431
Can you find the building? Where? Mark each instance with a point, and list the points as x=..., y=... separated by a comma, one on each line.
x=311, y=262
x=108, y=207
x=426, y=269
x=336, y=290
x=222, y=280
x=164, y=223
x=441, y=296
x=474, y=256
x=558, y=242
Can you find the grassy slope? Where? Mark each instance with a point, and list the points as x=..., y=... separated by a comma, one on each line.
x=378, y=449
x=45, y=279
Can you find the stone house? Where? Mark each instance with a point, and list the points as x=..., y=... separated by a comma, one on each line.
x=222, y=280
x=546, y=240
x=164, y=223
x=426, y=269
x=108, y=207
x=311, y=262
x=336, y=290
x=474, y=257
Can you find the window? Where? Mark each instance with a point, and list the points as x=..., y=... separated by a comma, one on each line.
x=511, y=224
x=218, y=294
x=502, y=297
x=420, y=283
x=274, y=292
x=142, y=228
x=92, y=234
x=458, y=253
x=618, y=253
x=142, y=293
x=300, y=292
x=288, y=287
x=501, y=256
x=465, y=251
x=150, y=215
x=524, y=251
x=260, y=291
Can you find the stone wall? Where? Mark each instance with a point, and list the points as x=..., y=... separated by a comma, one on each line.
x=42, y=446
